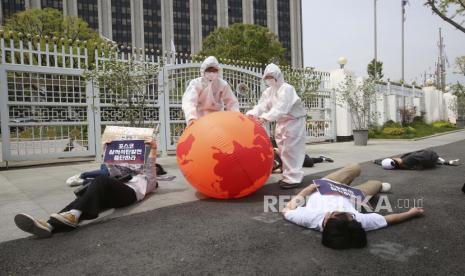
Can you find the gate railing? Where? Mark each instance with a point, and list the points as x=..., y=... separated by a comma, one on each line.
x=48, y=109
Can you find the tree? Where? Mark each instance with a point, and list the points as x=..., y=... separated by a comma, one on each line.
x=128, y=82
x=451, y=11
x=244, y=42
x=375, y=70
x=359, y=98
x=460, y=61
x=49, y=23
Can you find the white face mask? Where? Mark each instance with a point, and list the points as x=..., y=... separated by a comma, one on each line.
x=270, y=82
x=211, y=76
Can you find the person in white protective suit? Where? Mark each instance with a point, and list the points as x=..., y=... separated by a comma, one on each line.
x=280, y=103
x=209, y=93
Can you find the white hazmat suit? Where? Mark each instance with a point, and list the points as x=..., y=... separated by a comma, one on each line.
x=207, y=94
x=280, y=103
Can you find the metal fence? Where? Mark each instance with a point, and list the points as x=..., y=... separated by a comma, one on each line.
x=48, y=110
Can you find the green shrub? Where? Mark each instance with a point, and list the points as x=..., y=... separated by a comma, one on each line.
x=418, y=119
x=440, y=124
x=410, y=130
x=373, y=132
x=395, y=131
x=26, y=134
x=391, y=124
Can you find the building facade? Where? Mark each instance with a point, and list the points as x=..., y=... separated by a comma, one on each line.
x=160, y=24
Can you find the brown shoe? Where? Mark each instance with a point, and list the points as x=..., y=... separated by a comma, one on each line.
x=66, y=218
x=33, y=226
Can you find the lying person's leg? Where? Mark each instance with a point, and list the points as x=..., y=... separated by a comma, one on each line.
x=93, y=174
x=345, y=175
x=442, y=161
x=79, y=179
x=372, y=187
x=103, y=193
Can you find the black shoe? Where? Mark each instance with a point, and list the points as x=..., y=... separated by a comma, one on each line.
x=327, y=159
x=285, y=185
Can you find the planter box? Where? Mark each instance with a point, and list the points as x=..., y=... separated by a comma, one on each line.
x=460, y=123
x=360, y=137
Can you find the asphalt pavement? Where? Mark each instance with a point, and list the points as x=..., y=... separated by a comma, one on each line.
x=237, y=237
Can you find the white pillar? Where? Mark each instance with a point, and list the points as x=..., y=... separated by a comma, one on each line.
x=296, y=33
x=137, y=26
x=450, y=102
x=167, y=27
x=247, y=11
x=272, y=15
x=70, y=7
x=391, y=112
x=380, y=106
x=430, y=103
x=105, y=26
x=32, y=4
x=222, y=13
x=343, y=117
x=196, y=25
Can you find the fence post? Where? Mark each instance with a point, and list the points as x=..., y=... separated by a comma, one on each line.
x=4, y=116
x=163, y=102
x=94, y=109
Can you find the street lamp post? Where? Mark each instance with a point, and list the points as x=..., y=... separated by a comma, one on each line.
x=342, y=62
x=375, y=35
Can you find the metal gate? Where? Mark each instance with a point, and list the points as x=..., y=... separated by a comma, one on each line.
x=46, y=106
x=173, y=80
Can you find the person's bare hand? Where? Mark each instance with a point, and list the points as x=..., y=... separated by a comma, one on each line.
x=416, y=212
x=152, y=143
x=106, y=142
x=261, y=121
x=191, y=122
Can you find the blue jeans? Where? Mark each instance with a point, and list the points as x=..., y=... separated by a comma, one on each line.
x=93, y=174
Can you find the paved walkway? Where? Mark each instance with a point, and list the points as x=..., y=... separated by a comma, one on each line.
x=40, y=191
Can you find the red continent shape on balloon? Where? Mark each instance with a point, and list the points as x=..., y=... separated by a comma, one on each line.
x=183, y=149
x=235, y=182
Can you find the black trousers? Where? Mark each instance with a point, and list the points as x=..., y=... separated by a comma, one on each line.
x=103, y=193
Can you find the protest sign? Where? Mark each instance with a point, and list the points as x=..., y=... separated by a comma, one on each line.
x=125, y=152
x=329, y=187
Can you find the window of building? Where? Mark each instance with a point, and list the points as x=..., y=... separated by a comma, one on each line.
x=182, y=26
x=284, y=27
x=259, y=12
x=10, y=7
x=209, y=20
x=234, y=11
x=56, y=4
x=152, y=24
x=121, y=21
x=88, y=11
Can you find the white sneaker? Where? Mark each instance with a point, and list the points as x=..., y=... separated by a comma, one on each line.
x=74, y=180
x=385, y=187
x=454, y=162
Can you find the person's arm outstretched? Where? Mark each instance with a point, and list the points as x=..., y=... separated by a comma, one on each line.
x=299, y=199
x=189, y=103
x=151, y=168
x=401, y=217
x=230, y=101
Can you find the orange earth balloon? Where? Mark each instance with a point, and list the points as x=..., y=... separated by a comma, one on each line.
x=225, y=155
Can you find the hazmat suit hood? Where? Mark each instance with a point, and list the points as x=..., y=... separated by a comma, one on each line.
x=210, y=61
x=274, y=71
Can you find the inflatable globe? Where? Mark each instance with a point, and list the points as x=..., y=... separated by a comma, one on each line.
x=225, y=155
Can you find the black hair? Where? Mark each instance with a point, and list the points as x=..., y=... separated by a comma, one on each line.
x=343, y=234
x=395, y=164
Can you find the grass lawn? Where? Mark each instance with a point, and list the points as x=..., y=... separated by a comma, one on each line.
x=417, y=129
